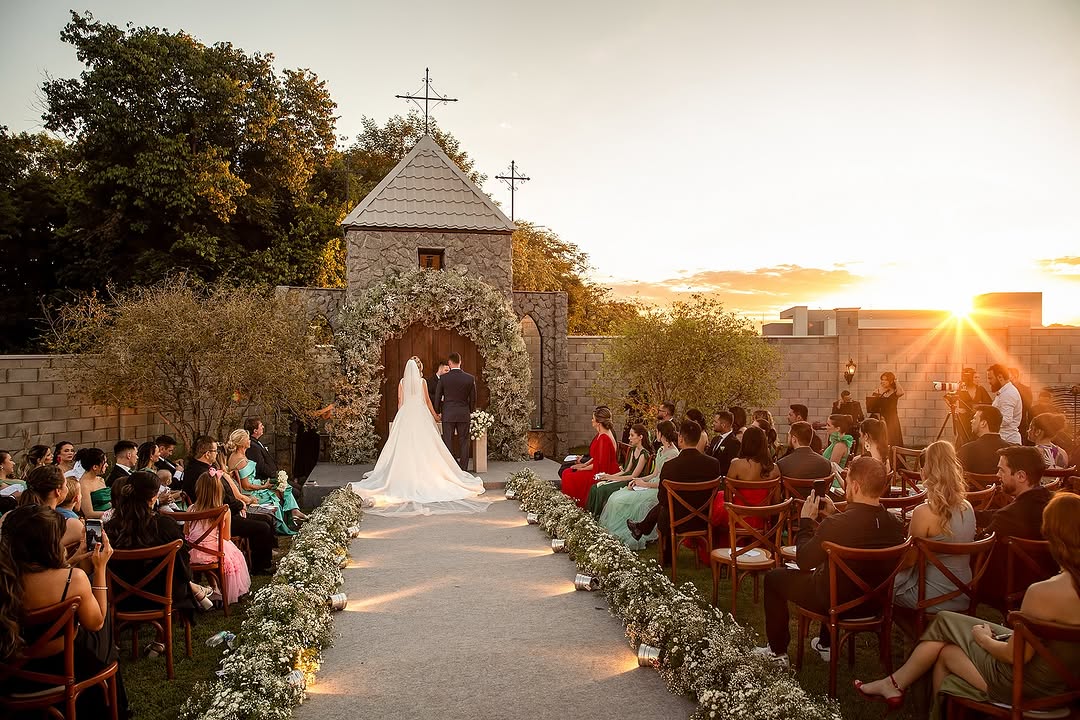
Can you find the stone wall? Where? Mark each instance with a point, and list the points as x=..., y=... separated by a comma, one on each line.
x=586, y=357
x=371, y=254
x=548, y=311
x=326, y=302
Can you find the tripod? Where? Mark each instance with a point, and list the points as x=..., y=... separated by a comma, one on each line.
x=951, y=416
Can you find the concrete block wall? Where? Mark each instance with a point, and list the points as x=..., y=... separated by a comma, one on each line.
x=585, y=358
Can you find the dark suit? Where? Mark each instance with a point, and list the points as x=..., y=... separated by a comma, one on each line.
x=1021, y=518
x=432, y=386
x=690, y=465
x=455, y=400
x=804, y=464
x=725, y=449
x=1026, y=401
x=115, y=474
x=980, y=455
x=265, y=465
x=258, y=529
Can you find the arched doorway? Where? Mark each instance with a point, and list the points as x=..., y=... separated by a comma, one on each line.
x=430, y=345
x=534, y=344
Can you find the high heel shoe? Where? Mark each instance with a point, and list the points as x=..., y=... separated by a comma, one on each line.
x=893, y=703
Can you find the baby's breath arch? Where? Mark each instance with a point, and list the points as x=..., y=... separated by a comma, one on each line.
x=440, y=299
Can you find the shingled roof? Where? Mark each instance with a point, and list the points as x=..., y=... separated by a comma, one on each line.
x=428, y=191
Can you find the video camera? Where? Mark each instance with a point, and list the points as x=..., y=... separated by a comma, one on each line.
x=947, y=387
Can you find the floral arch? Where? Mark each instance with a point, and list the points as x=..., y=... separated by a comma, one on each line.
x=440, y=299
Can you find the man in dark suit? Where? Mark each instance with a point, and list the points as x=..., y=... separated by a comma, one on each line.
x=433, y=381
x=801, y=462
x=166, y=447
x=800, y=413
x=265, y=465
x=981, y=454
x=258, y=529
x=689, y=466
x=126, y=454
x=455, y=395
x=1026, y=401
x=723, y=446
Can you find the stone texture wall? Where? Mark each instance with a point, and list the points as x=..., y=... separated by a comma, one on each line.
x=548, y=311
x=586, y=357
x=370, y=254
x=326, y=302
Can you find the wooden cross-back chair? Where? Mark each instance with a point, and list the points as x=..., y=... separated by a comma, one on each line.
x=1054, y=478
x=160, y=617
x=696, y=516
x=874, y=602
x=903, y=506
x=1026, y=562
x=60, y=690
x=930, y=553
x=1036, y=634
x=753, y=548
x=982, y=499
x=210, y=520
x=735, y=491
x=908, y=482
x=906, y=458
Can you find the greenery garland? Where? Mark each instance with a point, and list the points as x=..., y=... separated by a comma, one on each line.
x=703, y=652
x=442, y=299
x=287, y=626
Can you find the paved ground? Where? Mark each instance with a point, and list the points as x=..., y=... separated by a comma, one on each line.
x=473, y=616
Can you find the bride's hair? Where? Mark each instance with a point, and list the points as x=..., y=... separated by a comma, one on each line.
x=235, y=438
x=419, y=364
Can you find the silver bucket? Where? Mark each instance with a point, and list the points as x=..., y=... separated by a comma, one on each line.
x=337, y=602
x=353, y=531
x=586, y=582
x=558, y=545
x=647, y=655
x=532, y=518
x=296, y=679
x=510, y=494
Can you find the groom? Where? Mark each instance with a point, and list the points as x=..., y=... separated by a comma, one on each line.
x=455, y=399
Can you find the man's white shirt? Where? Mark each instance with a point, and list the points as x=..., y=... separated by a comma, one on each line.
x=1007, y=401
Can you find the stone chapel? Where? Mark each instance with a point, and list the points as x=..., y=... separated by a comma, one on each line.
x=427, y=213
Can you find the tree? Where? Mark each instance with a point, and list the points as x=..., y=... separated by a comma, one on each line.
x=191, y=156
x=544, y=262
x=695, y=352
x=193, y=353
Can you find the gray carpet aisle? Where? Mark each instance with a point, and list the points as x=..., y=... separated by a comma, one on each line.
x=473, y=616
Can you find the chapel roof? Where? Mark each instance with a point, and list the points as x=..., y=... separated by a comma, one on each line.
x=428, y=191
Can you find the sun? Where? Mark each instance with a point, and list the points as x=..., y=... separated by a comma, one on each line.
x=962, y=308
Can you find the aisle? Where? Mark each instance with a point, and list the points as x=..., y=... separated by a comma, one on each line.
x=473, y=616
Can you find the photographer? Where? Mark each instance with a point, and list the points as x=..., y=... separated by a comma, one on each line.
x=967, y=396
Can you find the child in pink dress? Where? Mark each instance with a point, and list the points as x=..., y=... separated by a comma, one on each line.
x=208, y=495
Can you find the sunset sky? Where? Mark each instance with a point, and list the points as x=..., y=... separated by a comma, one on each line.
x=906, y=154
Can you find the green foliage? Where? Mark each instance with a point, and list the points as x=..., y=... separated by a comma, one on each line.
x=695, y=352
x=544, y=262
x=199, y=356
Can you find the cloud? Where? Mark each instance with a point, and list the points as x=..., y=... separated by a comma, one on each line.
x=766, y=289
x=1067, y=265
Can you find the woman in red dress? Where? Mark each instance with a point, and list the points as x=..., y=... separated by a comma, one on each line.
x=580, y=477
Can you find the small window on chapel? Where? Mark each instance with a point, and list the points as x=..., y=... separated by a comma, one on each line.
x=432, y=259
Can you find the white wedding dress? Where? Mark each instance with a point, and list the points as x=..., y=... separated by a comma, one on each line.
x=415, y=473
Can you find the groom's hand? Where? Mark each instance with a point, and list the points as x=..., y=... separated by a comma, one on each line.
x=438, y=417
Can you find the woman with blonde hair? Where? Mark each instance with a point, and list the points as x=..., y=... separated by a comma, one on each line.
x=243, y=470
x=946, y=516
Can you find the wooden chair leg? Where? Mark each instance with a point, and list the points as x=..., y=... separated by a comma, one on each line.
x=834, y=659
x=675, y=560
x=715, y=567
x=114, y=699
x=851, y=650
x=168, y=647
x=135, y=641
x=757, y=586
x=803, y=624
x=734, y=574
x=187, y=637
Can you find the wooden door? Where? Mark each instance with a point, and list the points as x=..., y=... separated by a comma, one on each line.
x=430, y=345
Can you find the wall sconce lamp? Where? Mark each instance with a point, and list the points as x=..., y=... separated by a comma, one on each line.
x=849, y=370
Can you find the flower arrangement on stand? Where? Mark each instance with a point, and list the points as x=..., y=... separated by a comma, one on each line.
x=703, y=652
x=278, y=649
x=446, y=299
x=479, y=423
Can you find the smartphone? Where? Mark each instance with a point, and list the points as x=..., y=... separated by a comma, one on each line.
x=821, y=489
x=1002, y=637
x=93, y=534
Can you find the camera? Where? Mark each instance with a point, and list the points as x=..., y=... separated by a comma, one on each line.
x=949, y=387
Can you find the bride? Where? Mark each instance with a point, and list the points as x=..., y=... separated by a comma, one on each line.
x=415, y=473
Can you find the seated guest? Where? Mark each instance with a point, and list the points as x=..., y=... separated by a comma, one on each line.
x=802, y=462
x=265, y=466
x=800, y=413
x=690, y=466
x=738, y=421
x=875, y=441
x=136, y=525
x=770, y=437
x=633, y=467
x=35, y=574
x=243, y=471
x=9, y=500
x=965, y=654
x=846, y=406
x=96, y=498
x=864, y=524
x=576, y=459
x=838, y=430
x=45, y=485
x=1020, y=470
x=69, y=506
x=209, y=495
x=147, y=456
x=603, y=458
x=696, y=415
x=945, y=517
x=257, y=529
x=724, y=445
x=753, y=464
x=36, y=456
x=175, y=468
x=64, y=456
x=126, y=455
x=639, y=496
x=1042, y=431
x=981, y=454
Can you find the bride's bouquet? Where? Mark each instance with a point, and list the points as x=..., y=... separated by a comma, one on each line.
x=480, y=423
x=282, y=481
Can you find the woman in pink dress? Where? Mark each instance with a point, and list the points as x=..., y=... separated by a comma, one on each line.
x=603, y=452
x=209, y=495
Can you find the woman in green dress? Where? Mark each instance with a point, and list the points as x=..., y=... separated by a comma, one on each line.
x=243, y=470
x=638, y=498
x=96, y=499
x=838, y=429
x=637, y=460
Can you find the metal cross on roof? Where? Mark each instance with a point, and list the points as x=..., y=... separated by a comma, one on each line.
x=511, y=181
x=429, y=95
